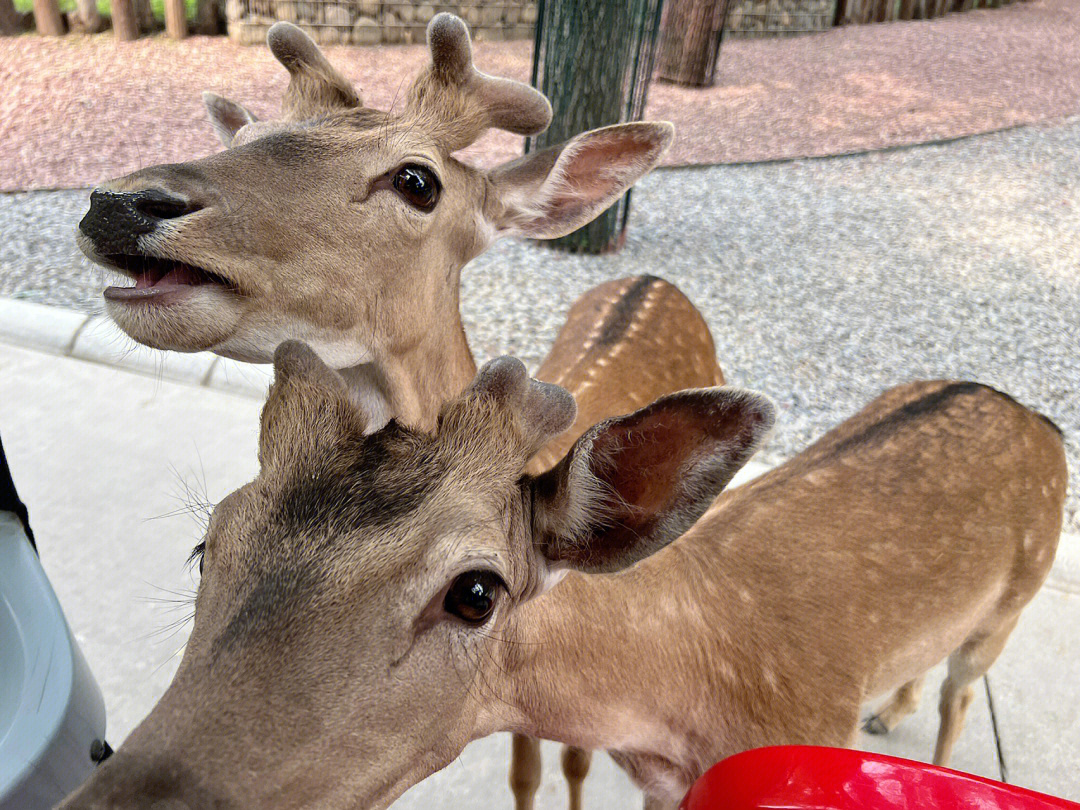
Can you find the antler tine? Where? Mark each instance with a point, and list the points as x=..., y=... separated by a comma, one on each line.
x=314, y=85
x=451, y=48
x=459, y=102
x=544, y=410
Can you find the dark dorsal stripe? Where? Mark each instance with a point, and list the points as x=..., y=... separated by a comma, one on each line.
x=905, y=415
x=912, y=412
x=1050, y=422
x=622, y=314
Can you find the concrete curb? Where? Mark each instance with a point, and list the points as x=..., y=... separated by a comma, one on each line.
x=95, y=338
x=1065, y=575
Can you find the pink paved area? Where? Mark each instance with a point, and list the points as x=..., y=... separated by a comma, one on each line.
x=78, y=109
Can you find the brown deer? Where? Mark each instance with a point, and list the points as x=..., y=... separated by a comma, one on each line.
x=348, y=227
x=624, y=344
x=373, y=602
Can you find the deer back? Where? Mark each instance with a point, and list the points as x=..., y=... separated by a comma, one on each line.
x=850, y=569
x=625, y=344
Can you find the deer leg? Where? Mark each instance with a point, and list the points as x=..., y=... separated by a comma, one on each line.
x=903, y=703
x=653, y=803
x=524, y=770
x=575, y=767
x=966, y=665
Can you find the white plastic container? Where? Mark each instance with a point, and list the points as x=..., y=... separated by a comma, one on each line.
x=51, y=710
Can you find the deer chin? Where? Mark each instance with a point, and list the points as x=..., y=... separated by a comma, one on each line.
x=172, y=304
x=184, y=318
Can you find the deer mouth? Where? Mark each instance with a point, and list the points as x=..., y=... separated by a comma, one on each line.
x=159, y=280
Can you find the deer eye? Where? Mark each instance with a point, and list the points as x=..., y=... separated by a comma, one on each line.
x=418, y=185
x=472, y=596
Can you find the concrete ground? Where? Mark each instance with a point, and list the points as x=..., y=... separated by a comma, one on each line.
x=114, y=466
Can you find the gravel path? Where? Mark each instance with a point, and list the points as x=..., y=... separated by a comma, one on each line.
x=824, y=281
x=77, y=109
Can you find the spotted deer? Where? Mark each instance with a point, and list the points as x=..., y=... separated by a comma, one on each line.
x=372, y=602
x=349, y=227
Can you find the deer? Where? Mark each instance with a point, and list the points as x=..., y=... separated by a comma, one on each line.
x=348, y=227
x=373, y=601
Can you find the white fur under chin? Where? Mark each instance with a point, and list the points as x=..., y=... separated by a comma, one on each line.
x=255, y=342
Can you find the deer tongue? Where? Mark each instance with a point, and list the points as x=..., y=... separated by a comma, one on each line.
x=161, y=283
x=178, y=275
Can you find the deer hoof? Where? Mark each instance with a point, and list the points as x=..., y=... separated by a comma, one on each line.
x=875, y=725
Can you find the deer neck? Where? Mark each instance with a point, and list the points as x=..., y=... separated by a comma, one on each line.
x=613, y=662
x=411, y=383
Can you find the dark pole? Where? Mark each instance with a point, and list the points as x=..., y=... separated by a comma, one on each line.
x=593, y=59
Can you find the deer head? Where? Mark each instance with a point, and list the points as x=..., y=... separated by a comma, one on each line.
x=351, y=594
x=343, y=225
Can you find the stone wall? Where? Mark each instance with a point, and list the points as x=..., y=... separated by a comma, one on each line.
x=763, y=18
x=371, y=22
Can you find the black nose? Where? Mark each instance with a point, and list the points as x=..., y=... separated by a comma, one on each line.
x=117, y=219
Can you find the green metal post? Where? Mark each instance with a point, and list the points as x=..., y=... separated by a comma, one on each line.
x=594, y=59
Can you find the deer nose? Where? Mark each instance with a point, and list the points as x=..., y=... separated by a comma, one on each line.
x=117, y=219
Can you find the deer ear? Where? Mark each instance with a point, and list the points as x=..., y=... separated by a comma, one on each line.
x=226, y=117
x=548, y=194
x=634, y=483
x=308, y=411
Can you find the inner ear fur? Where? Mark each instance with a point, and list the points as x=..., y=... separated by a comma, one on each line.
x=227, y=117
x=552, y=192
x=632, y=484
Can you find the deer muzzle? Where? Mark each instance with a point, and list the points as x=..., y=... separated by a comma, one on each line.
x=117, y=219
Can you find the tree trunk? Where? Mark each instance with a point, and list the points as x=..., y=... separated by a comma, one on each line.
x=690, y=41
x=86, y=17
x=125, y=24
x=175, y=19
x=206, y=18
x=907, y=9
x=11, y=21
x=855, y=12
x=144, y=16
x=591, y=86
x=47, y=18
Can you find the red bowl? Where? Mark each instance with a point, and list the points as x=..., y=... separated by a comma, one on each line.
x=799, y=777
